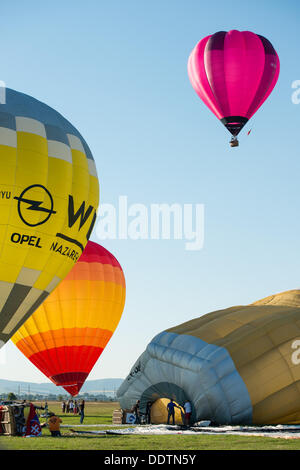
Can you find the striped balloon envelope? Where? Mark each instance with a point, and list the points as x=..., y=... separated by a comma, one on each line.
x=49, y=194
x=233, y=73
x=68, y=332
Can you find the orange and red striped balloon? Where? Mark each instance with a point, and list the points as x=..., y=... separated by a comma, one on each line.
x=66, y=335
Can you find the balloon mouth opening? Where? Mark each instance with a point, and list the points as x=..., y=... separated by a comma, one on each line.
x=70, y=381
x=73, y=389
x=234, y=124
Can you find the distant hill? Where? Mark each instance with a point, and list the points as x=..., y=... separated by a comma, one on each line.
x=107, y=386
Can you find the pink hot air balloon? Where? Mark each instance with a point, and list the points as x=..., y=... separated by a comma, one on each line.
x=233, y=73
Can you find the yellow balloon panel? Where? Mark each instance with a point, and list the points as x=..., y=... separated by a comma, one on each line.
x=159, y=412
x=259, y=338
x=49, y=195
x=240, y=365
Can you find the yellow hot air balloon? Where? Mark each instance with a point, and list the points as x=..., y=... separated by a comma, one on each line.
x=48, y=200
x=66, y=335
x=240, y=365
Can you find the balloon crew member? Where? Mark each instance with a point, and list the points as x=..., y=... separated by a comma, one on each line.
x=136, y=411
x=148, y=412
x=75, y=409
x=54, y=425
x=63, y=407
x=171, y=410
x=81, y=411
x=187, y=412
x=71, y=406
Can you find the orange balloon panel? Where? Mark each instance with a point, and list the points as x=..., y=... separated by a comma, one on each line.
x=66, y=335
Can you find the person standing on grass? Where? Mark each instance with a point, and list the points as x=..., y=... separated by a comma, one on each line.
x=136, y=410
x=54, y=425
x=81, y=411
x=63, y=407
x=171, y=410
x=148, y=412
x=187, y=412
x=75, y=409
x=71, y=406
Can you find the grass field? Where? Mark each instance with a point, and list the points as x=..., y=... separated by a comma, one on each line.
x=101, y=413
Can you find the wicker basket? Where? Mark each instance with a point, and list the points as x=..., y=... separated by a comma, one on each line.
x=117, y=417
x=7, y=421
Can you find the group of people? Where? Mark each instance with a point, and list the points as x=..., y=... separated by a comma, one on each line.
x=136, y=410
x=72, y=406
x=186, y=411
x=187, y=407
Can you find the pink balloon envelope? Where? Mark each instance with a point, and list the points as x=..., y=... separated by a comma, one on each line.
x=233, y=73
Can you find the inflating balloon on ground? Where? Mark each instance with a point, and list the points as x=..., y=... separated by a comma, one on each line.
x=240, y=365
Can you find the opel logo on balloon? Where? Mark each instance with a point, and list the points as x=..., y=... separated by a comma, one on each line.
x=38, y=199
x=28, y=201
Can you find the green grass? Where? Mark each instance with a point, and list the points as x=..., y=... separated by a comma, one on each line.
x=101, y=413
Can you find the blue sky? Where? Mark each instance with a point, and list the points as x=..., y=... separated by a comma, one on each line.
x=118, y=71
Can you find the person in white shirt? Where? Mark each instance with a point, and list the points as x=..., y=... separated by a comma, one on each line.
x=187, y=412
x=71, y=406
